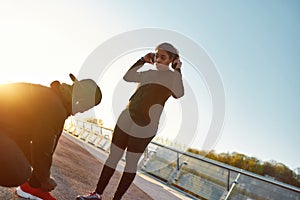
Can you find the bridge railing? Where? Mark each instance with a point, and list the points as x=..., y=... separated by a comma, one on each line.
x=194, y=175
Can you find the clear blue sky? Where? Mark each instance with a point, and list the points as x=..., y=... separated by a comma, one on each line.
x=255, y=46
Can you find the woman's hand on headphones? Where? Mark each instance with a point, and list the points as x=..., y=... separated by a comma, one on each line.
x=149, y=58
x=176, y=64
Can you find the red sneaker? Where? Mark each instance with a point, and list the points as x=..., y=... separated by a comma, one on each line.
x=28, y=192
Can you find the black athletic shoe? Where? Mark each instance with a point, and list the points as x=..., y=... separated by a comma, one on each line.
x=90, y=196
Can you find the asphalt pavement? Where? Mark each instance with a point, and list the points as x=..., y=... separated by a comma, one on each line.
x=76, y=168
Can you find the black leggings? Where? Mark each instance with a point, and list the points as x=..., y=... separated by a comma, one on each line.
x=135, y=148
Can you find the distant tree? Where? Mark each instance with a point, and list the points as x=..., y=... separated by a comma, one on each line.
x=268, y=169
x=280, y=172
x=254, y=165
x=212, y=155
x=196, y=151
x=224, y=158
x=238, y=160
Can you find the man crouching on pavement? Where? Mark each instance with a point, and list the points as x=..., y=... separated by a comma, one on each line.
x=32, y=118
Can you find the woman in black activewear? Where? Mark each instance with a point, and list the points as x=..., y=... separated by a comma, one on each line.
x=138, y=123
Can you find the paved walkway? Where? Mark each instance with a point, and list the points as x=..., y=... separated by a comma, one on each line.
x=76, y=168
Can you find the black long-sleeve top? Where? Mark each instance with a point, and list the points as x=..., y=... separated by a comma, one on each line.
x=154, y=89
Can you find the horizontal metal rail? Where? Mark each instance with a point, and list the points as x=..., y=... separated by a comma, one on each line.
x=231, y=168
x=211, y=162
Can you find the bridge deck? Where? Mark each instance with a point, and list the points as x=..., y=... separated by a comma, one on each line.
x=76, y=171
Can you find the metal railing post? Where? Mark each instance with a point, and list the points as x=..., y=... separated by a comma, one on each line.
x=228, y=180
x=174, y=176
x=232, y=186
